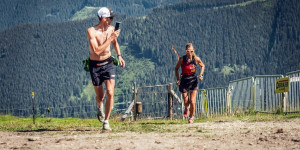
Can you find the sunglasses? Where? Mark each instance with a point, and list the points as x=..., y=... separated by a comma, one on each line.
x=111, y=18
x=187, y=50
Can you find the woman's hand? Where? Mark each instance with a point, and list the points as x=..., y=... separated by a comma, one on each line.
x=201, y=77
x=178, y=82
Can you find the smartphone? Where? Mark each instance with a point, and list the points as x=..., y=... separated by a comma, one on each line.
x=117, y=26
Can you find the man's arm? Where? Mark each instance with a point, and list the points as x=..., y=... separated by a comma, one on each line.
x=98, y=49
x=118, y=51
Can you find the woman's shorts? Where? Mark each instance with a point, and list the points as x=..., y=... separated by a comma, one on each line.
x=188, y=83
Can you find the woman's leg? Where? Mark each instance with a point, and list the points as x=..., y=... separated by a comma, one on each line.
x=185, y=97
x=186, y=104
x=193, y=103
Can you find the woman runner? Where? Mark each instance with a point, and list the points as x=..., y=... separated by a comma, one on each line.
x=188, y=83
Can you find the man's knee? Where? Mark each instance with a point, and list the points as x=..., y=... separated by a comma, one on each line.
x=110, y=93
x=99, y=97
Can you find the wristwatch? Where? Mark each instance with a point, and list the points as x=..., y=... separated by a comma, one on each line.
x=118, y=56
x=200, y=76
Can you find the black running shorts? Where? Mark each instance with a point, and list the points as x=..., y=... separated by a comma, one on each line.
x=188, y=83
x=101, y=71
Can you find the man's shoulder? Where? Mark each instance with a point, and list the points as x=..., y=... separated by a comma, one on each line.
x=91, y=29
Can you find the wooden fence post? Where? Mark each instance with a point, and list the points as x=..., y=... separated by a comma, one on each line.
x=253, y=93
x=134, y=98
x=33, y=117
x=228, y=99
x=285, y=102
x=170, y=101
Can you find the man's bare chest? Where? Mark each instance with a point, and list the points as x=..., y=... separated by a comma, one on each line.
x=101, y=37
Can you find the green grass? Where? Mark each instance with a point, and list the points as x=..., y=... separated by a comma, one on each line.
x=231, y=69
x=11, y=123
x=85, y=13
x=242, y=4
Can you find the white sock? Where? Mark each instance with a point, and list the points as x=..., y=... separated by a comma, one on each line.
x=105, y=121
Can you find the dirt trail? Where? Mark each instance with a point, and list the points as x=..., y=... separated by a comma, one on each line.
x=283, y=134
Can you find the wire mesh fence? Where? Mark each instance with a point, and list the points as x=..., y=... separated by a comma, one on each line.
x=86, y=109
x=155, y=103
x=248, y=94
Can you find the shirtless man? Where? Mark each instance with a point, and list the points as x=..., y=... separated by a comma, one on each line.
x=101, y=63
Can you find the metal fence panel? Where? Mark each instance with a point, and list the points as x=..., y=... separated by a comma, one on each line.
x=199, y=110
x=293, y=96
x=216, y=101
x=265, y=98
x=241, y=94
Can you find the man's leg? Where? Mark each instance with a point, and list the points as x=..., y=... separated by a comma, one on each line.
x=99, y=99
x=110, y=87
x=99, y=95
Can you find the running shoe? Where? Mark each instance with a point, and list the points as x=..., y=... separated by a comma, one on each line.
x=186, y=111
x=106, y=126
x=100, y=114
x=191, y=121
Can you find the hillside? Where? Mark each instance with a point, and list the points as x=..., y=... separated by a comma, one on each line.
x=234, y=39
x=15, y=12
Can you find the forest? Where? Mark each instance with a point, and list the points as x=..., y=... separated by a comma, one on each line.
x=15, y=12
x=234, y=39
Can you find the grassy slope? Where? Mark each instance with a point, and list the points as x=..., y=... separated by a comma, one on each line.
x=84, y=13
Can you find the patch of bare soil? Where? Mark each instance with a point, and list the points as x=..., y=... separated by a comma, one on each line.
x=283, y=134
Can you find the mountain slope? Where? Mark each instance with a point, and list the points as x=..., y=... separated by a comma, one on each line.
x=233, y=39
x=15, y=12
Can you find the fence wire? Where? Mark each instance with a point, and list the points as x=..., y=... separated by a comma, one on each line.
x=84, y=110
x=154, y=101
x=252, y=93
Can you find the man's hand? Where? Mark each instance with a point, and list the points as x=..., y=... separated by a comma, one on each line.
x=178, y=82
x=115, y=34
x=122, y=62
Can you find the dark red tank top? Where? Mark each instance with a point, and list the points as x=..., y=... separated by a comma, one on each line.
x=188, y=68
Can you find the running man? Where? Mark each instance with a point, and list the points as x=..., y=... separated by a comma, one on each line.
x=188, y=83
x=101, y=64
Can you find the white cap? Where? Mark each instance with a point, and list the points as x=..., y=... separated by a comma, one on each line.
x=105, y=12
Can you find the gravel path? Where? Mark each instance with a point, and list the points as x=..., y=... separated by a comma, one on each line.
x=283, y=134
